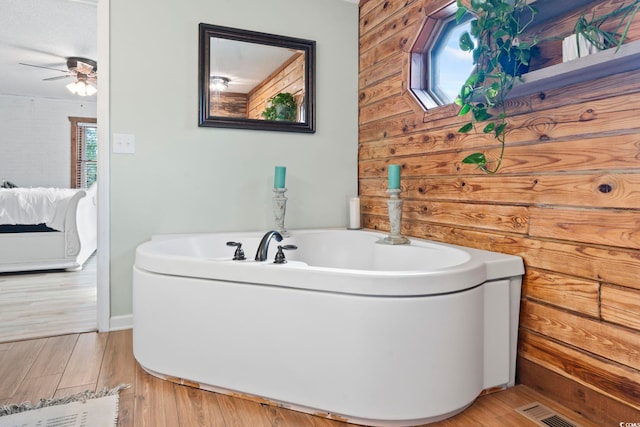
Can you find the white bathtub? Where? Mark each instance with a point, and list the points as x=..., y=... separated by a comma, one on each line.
x=348, y=329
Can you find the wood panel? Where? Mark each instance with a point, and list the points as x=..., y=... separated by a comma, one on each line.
x=611, y=342
x=601, y=227
x=382, y=70
x=564, y=291
x=490, y=217
x=389, y=87
x=411, y=17
x=616, y=381
x=586, y=401
x=620, y=305
x=556, y=156
x=287, y=78
x=567, y=198
x=561, y=190
x=228, y=104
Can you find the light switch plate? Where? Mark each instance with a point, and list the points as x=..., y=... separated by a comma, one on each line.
x=124, y=143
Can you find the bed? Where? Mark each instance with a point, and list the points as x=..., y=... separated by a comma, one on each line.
x=47, y=228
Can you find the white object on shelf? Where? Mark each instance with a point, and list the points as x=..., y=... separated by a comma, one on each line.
x=573, y=50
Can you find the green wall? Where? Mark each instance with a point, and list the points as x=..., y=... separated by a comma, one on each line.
x=183, y=178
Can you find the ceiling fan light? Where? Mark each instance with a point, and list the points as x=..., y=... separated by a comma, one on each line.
x=73, y=87
x=81, y=88
x=218, y=83
x=91, y=90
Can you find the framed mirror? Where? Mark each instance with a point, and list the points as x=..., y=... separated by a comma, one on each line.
x=252, y=80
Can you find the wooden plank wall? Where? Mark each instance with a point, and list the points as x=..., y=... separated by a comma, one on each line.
x=228, y=104
x=567, y=199
x=288, y=78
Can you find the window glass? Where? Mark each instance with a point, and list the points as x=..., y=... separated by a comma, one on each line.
x=89, y=168
x=449, y=66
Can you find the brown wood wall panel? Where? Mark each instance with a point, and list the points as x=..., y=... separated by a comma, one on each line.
x=386, y=48
x=490, y=217
x=608, y=378
x=383, y=70
x=411, y=17
x=564, y=291
x=228, y=104
x=288, y=78
x=620, y=305
x=611, y=228
x=374, y=14
x=611, y=342
x=567, y=199
x=389, y=87
x=602, y=189
x=556, y=156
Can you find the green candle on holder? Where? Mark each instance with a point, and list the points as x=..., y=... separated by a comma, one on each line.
x=394, y=177
x=278, y=180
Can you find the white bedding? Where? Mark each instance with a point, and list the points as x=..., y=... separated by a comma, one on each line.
x=35, y=206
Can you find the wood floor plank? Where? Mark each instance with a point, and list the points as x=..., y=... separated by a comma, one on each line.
x=54, y=356
x=35, y=388
x=241, y=412
x=198, y=408
x=155, y=401
x=46, y=303
x=118, y=364
x=81, y=388
x=315, y=421
x=85, y=361
x=16, y=363
x=126, y=410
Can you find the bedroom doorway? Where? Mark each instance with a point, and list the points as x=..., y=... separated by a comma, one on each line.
x=98, y=265
x=36, y=304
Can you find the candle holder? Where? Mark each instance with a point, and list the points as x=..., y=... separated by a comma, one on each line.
x=394, y=205
x=279, y=210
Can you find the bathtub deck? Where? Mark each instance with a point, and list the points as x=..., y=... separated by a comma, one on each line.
x=68, y=364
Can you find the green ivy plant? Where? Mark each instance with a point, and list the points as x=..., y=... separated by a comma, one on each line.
x=591, y=29
x=496, y=41
x=283, y=107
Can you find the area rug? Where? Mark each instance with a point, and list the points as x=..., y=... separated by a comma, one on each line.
x=86, y=409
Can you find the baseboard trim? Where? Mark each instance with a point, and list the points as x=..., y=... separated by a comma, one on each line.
x=118, y=323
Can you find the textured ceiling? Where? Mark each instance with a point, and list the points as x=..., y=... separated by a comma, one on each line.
x=45, y=33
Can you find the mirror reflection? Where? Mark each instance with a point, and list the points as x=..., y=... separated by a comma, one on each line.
x=255, y=80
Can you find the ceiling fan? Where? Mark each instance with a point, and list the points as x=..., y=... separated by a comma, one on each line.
x=84, y=70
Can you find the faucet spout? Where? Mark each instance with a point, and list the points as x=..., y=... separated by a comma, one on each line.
x=263, y=248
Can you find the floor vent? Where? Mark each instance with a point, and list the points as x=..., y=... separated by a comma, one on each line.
x=544, y=416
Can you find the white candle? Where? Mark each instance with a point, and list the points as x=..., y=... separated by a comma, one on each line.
x=354, y=213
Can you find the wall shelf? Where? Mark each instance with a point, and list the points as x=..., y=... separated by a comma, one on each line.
x=598, y=65
x=551, y=9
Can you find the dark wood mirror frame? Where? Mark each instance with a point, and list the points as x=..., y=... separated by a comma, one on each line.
x=207, y=32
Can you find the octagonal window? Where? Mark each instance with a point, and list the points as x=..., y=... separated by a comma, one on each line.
x=438, y=66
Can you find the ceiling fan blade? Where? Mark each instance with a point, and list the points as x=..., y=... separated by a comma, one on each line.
x=58, y=77
x=40, y=66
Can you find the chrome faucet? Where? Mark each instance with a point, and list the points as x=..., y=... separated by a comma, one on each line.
x=263, y=248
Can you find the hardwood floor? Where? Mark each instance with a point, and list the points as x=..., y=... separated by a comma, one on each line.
x=63, y=365
x=45, y=303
